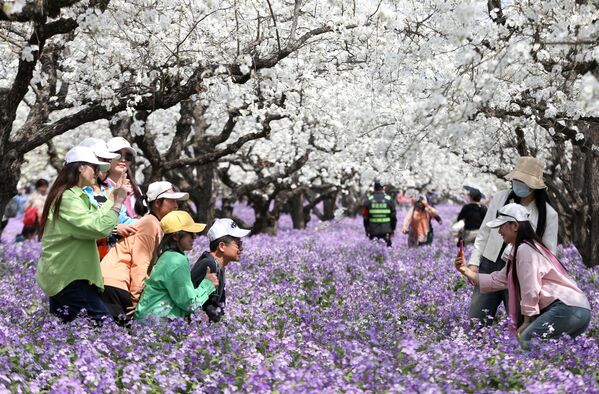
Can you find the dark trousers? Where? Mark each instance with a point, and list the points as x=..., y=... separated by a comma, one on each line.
x=483, y=306
x=386, y=237
x=77, y=296
x=118, y=302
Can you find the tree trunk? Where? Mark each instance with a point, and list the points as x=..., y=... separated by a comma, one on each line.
x=296, y=205
x=574, y=193
x=266, y=221
x=202, y=193
x=10, y=167
x=329, y=205
x=585, y=223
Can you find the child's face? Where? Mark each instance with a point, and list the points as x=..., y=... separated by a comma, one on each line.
x=186, y=241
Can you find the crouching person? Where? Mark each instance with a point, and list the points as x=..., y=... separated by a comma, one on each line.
x=538, y=284
x=169, y=291
x=225, y=247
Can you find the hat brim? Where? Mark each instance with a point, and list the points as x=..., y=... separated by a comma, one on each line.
x=194, y=228
x=239, y=233
x=529, y=180
x=498, y=222
x=108, y=155
x=175, y=196
x=102, y=166
x=118, y=148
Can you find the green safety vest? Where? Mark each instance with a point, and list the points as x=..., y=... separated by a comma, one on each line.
x=379, y=212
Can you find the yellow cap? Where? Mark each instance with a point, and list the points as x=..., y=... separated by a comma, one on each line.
x=180, y=221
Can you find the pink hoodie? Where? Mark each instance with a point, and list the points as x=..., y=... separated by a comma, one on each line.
x=542, y=280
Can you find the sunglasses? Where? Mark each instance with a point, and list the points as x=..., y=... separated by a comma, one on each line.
x=127, y=156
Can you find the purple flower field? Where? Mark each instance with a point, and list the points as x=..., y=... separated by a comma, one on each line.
x=317, y=310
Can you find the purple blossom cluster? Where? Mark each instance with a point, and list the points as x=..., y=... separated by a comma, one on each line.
x=316, y=310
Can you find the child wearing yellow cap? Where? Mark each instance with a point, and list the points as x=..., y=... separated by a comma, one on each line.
x=168, y=290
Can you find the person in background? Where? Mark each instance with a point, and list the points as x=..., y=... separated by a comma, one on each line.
x=380, y=216
x=472, y=215
x=123, y=165
x=98, y=194
x=490, y=252
x=404, y=201
x=10, y=211
x=22, y=198
x=126, y=265
x=168, y=291
x=33, y=209
x=417, y=223
x=68, y=270
x=225, y=247
x=538, y=285
x=432, y=196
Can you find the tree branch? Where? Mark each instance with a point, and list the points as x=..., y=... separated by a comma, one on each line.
x=36, y=10
x=231, y=148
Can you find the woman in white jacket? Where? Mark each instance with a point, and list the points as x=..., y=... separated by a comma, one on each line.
x=529, y=190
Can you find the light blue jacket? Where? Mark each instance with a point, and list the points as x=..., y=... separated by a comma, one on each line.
x=123, y=218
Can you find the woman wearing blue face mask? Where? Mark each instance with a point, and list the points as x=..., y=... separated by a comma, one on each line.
x=489, y=254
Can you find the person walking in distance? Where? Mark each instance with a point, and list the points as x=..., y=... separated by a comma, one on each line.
x=380, y=216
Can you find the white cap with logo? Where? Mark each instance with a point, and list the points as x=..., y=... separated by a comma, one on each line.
x=85, y=154
x=100, y=148
x=510, y=213
x=164, y=189
x=222, y=227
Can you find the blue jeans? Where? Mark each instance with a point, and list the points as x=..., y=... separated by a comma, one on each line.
x=78, y=295
x=555, y=320
x=483, y=306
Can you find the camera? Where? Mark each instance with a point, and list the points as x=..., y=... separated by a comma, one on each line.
x=214, y=308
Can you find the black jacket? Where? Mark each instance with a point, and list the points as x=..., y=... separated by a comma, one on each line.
x=473, y=215
x=380, y=216
x=215, y=306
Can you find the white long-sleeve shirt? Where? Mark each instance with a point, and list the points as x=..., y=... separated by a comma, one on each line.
x=488, y=241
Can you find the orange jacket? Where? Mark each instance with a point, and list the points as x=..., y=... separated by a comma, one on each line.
x=126, y=264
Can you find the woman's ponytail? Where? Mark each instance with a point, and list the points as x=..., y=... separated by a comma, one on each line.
x=142, y=206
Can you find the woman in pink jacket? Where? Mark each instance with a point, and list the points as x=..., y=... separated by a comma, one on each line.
x=538, y=285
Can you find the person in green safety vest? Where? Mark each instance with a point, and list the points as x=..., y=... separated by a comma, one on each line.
x=380, y=217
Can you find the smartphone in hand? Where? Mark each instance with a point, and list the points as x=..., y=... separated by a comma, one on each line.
x=461, y=250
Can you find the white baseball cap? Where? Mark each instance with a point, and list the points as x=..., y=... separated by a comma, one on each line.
x=100, y=148
x=115, y=144
x=85, y=154
x=222, y=227
x=164, y=189
x=509, y=213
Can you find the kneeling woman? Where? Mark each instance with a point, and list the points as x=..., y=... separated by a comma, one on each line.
x=550, y=301
x=69, y=267
x=169, y=291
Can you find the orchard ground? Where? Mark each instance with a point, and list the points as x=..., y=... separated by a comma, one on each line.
x=317, y=310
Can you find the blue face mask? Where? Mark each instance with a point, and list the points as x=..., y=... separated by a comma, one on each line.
x=520, y=189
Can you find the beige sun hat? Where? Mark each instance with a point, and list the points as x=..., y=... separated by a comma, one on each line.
x=530, y=171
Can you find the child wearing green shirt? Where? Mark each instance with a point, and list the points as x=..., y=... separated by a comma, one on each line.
x=169, y=291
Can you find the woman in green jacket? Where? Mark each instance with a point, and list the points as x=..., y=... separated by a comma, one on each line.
x=169, y=291
x=68, y=270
